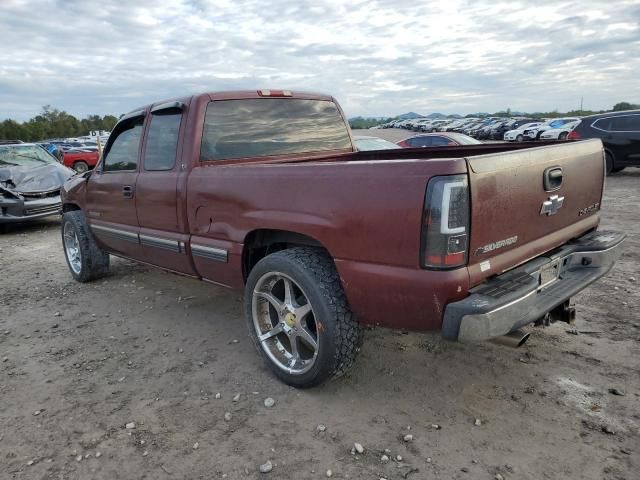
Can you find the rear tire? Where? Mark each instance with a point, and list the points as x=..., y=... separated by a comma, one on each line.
x=85, y=259
x=326, y=335
x=609, y=163
x=80, y=166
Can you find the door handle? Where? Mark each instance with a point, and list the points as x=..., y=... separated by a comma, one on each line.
x=127, y=191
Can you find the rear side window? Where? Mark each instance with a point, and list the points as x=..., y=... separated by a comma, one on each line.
x=271, y=126
x=162, y=140
x=123, y=152
x=626, y=123
x=440, y=142
x=419, y=142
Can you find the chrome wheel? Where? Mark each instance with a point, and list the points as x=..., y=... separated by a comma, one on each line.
x=285, y=323
x=72, y=247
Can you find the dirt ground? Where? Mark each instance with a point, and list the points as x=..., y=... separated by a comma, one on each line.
x=78, y=362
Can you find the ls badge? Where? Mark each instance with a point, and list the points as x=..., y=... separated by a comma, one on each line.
x=551, y=206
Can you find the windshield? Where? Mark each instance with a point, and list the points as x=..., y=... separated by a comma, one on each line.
x=24, y=155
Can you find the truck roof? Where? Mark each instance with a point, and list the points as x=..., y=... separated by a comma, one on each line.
x=239, y=95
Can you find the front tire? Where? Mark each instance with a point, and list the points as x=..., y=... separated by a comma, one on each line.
x=85, y=259
x=298, y=317
x=519, y=138
x=563, y=136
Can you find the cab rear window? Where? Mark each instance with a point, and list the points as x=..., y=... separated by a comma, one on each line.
x=271, y=126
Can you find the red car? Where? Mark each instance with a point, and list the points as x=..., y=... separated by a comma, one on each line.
x=444, y=139
x=81, y=161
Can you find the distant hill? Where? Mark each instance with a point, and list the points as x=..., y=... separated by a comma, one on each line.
x=407, y=116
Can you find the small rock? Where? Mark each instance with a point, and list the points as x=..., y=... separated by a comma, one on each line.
x=616, y=391
x=475, y=460
x=36, y=413
x=145, y=453
x=464, y=469
x=398, y=458
x=79, y=458
x=478, y=422
x=5, y=359
x=130, y=425
x=266, y=467
x=359, y=448
x=196, y=446
x=269, y=402
x=57, y=314
x=498, y=477
x=98, y=454
x=321, y=428
x=228, y=416
x=235, y=340
x=608, y=430
x=30, y=462
x=408, y=438
x=436, y=426
x=236, y=397
x=632, y=279
x=329, y=473
x=429, y=460
x=384, y=458
x=218, y=396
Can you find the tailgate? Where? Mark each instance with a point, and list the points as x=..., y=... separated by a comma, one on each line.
x=521, y=207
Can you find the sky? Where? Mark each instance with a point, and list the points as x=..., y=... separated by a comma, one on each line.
x=377, y=57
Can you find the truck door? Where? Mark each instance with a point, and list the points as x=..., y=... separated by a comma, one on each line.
x=111, y=189
x=163, y=230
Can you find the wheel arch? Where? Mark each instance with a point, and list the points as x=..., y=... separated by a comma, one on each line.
x=261, y=242
x=69, y=207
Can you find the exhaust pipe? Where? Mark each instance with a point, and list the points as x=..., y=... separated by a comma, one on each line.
x=512, y=339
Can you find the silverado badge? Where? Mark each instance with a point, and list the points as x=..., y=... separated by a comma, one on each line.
x=490, y=247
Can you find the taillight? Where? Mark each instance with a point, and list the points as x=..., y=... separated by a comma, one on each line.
x=573, y=135
x=445, y=226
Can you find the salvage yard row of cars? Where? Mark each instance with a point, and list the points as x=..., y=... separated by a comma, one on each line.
x=492, y=128
x=618, y=131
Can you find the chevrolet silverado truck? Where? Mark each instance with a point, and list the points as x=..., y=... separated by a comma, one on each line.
x=264, y=191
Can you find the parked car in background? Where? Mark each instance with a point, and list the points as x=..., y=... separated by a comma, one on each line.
x=497, y=132
x=30, y=182
x=534, y=133
x=517, y=134
x=620, y=135
x=444, y=139
x=364, y=143
x=560, y=133
x=81, y=160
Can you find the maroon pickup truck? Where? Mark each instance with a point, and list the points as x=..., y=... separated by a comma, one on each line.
x=263, y=190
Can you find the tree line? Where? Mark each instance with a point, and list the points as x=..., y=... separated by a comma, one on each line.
x=362, y=122
x=54, y=123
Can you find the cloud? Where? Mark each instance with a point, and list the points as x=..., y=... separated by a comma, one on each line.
x=378, y=57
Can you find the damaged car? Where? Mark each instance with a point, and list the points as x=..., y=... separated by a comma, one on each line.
x=30, y=182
